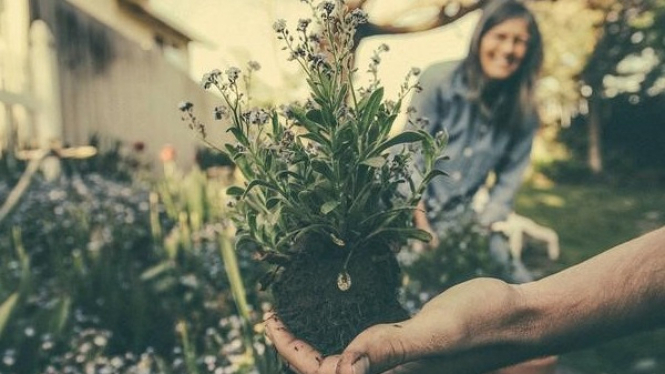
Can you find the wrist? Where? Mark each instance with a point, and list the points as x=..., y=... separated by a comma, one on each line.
x=470, y=316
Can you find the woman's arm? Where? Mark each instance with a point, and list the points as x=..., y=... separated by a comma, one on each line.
x=486, y=324
x=509, y=174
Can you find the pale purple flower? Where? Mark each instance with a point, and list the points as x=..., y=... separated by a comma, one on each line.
x=303, y=23
x=185, y=106
x=279, y=25
x=358, y=17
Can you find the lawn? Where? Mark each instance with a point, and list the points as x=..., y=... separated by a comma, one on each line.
x=590, y=218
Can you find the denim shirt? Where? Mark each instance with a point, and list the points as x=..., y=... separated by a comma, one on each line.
x=475, y=147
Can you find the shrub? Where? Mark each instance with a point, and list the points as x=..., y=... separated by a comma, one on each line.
x=96, y=273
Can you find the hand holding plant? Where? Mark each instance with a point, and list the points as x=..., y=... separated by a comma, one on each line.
x=324, y=178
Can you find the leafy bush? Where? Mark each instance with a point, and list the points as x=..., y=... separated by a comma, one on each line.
x=107, y=276
x=462, y=254
x=329, y=167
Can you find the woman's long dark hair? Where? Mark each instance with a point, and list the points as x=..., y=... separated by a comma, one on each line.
x=514, y=101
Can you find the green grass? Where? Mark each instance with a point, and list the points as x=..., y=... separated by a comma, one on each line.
x=590, y=219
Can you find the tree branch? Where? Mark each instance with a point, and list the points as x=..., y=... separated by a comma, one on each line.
x=442, y=19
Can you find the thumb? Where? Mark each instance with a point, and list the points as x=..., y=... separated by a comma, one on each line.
x=353, y=363
x=375, y=350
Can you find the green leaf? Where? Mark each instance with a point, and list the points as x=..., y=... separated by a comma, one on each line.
x=386, y=215
x=6, y=310
x=62, y=314
x=315, y=87
x=315, y=115
x=405, y=233
x=287, y=173
x=418, y=234
x=375, y=162
x=386, y=124
x=361, y=199
x=338, y=242
x=370, y=110
x=317, y=138
x=310, y=125
x=258, y=182
x=432, y=174
x=401, y=138
x=243, y=240
x=323, y=168
x=272, y=202
x=156, y=270
x=268, y=160
x=235, y=191
x=231, y=149
x=342, y=95
x=318, y=227
x=329, y=207
x=239, y=135
x=276, y=128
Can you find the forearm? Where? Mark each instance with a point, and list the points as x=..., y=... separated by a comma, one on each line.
x=485, y=324
x=618, y=292
x=493, y=324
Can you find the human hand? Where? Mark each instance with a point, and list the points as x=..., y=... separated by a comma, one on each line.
x=304, y=359
x=439, y=339
x=298, y=354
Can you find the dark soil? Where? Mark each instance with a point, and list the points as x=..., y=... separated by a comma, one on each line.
x=310, y=303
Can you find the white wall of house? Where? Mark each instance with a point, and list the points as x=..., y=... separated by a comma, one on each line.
x=242, y=30
x=148, y=32
x=15, y=102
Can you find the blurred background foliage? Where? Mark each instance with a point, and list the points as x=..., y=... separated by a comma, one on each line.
x=100, y=273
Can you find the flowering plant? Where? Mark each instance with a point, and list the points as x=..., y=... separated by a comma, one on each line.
x=330, y=166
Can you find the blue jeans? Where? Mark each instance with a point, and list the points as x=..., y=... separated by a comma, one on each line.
x=499, y=247
x=500, y=252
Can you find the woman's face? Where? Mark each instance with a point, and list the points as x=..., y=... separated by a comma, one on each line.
x=503, y=48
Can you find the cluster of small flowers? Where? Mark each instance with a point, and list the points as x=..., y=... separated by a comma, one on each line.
x=214, y=77
x=87, y=354
x=256, y=116
x=9, y=357
x=399, y=167
x=419, y=122
x=189, y=117
x=233, y=98
x=328, y=49
x=87, y=357
x=373, y=68
x=308, y=47
x=48, y=208
x=407, y=86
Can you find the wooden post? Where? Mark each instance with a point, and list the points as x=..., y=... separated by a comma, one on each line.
x=45, y=85
x=14, y=18
x=595, y=156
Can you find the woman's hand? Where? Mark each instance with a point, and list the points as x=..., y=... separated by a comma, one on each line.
x=420, y=221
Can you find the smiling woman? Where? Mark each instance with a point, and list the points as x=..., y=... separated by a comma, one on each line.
x=503, y=48
x=486, y=105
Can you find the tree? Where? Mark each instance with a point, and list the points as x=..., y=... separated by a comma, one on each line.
x=416, y=16
x=627, y=62
x=596, y=50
